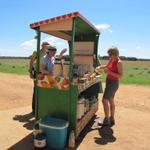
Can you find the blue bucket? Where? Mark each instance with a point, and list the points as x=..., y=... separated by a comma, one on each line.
x=55, y=130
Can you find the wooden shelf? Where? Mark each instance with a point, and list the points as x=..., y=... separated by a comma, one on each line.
x=84, y=121
x=86, y=87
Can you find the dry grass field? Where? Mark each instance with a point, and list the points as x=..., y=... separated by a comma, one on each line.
x=135, y=72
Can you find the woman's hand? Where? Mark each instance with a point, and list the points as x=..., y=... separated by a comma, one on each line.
x=120, y=71
x=107, y=71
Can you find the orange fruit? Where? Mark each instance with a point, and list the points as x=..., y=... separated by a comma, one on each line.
x=45, y=84
x=49, y=77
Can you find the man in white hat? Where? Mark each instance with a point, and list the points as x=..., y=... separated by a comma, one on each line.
x=32, y=69
x=32, y=63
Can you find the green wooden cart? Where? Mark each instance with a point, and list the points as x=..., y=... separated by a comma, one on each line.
x=77, y=30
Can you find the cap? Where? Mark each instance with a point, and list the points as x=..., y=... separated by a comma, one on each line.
x=45, y=43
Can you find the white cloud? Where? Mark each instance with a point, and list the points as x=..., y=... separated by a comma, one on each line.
x=123, y=50
x=3, y=51
x=31, y=44
x=59, y=43
x=104, y=27
x=0, y=52
x=138, y=47
x=110, y=30
x=51, y=40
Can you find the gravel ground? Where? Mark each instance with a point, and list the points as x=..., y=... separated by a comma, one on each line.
x=132, y=129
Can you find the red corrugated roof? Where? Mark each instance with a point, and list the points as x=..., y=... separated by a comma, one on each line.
x=63, y=17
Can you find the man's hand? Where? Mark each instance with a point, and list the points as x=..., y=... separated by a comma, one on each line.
x=31, y=76
x=63, y=51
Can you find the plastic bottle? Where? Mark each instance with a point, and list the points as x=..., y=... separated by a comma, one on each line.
x=36, y=129
x=71, y=140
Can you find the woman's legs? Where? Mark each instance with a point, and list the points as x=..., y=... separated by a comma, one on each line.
x=112, y=107
x=106, y=107
x=109, y=105
x=108, y=99
x=106, y=111
x=112, y=111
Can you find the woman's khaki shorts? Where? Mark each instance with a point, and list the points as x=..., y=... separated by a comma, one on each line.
x=110, y=89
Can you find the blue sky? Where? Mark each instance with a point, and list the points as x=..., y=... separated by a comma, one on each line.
x=125, y=24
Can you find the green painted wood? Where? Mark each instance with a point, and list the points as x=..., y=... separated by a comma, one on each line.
x=84, y=28
x=52, y=102
x=96, y=62
x=38, y=34
x=72, y=94
x=83, y=32
x=59, y=103
x=71, y=49
x=73, y=107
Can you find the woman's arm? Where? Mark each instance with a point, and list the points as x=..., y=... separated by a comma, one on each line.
x=120, y=69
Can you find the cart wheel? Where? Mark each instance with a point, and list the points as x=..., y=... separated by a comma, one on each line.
x=71, y=143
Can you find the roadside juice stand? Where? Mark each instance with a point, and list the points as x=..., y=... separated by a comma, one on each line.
x=72, y=93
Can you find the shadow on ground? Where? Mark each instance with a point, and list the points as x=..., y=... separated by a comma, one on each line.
x=106, y=135
x=28, y=119
x=105, y=132
x=25, y=144
x=85, y=132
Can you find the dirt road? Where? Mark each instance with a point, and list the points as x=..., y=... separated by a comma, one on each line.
x=132, y=129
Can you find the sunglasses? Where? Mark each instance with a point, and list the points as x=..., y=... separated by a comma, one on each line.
x=52, y=51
